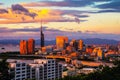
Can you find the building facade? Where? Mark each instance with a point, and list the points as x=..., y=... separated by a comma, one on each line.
x=80, y=46
x=100, y=53
x=27, y=46
x=39, y=69
x=31, y=46
x=61, y=42
x=23, y=47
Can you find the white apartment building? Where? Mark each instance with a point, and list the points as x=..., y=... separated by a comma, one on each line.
x=39, y=69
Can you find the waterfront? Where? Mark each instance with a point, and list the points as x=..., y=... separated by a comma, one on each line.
x=9, y=48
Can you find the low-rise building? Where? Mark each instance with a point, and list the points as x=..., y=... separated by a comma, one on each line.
x=87, y=70
x=70, y=73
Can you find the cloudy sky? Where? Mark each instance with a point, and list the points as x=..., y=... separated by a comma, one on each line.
x=20, y=19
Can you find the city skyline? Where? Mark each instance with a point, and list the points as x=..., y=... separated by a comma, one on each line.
x=20, y=19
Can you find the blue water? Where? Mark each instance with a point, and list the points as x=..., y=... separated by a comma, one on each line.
x=9, y=48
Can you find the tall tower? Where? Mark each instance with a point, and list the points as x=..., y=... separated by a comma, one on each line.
x=42, y=36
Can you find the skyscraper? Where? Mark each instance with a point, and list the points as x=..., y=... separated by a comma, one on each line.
x=23, y=47
x=42, y=36
x=100, y=53
x=27, y=47
x=61, y=42
x=80, y=44
x=74, y=44
x=31, y=46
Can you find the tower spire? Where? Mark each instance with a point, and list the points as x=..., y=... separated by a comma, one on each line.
x=42, y=36
x=41, y=25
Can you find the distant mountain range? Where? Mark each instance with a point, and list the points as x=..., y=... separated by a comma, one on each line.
x=86, y=41
x=100, y=41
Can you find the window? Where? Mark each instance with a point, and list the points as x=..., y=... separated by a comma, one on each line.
x=18, y=65
x=48, y=61
x=18, y=76
x=18, y=69
x=23, y=64
x=17, y=72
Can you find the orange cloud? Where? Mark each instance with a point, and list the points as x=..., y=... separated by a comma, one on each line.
x=21, y=17
x=12, y=17
x=18, y=14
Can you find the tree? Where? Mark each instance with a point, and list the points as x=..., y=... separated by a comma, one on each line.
x=107, y=73
x=4, y=70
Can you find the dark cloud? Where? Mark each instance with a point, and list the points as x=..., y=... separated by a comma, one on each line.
x=82, y=3
x=34, y=33
x=77, y=20
x=80, y=16
x=87, y=31
x=3, y=11
x=50, y=34
x=66, y=3
x=107, y=11
x=44, y=28
x=6, y=30
x=31, y=15
x=18, y=7
x=1, y=3
x=71, y=11
x=53, y=30
x=75, y=13
x=112, y=6
x=64, y=20
x=27, y=30
x=115, y=4
x=88, y=0
x=81, y=35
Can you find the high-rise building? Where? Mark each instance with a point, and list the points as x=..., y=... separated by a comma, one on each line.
x=69, y=49
x=27, y=47
x=74, y=44
x=42, y=36
x=61, y=42
x=100, y=53
x=80, y=45
x=43, y=49
x=23, y=47
x=31, y=46
x=38, y=69
x=89, y=49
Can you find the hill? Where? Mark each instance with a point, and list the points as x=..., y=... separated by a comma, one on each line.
x=86, y=41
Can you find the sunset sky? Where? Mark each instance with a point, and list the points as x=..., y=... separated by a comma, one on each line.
x=78, y=19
